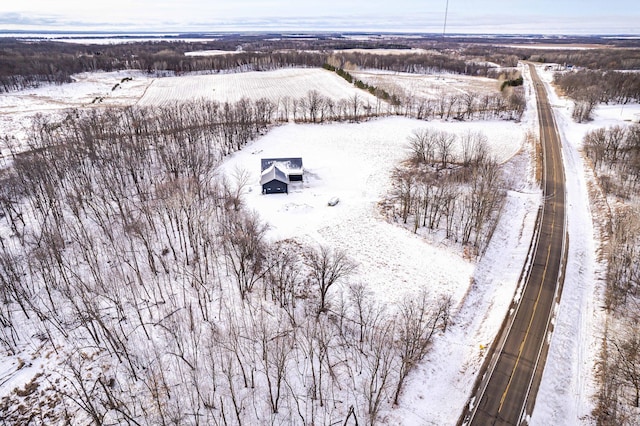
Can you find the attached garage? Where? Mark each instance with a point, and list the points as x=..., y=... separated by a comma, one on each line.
x=291, y=166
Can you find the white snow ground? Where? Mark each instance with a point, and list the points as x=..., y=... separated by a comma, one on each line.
x=353, y=162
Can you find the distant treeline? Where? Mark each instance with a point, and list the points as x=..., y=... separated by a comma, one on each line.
x=610, y=86
x=29, y=64
x=606, y=58
x=588, y=88
x=595, y=59
x=376, y=91
x=25, y=65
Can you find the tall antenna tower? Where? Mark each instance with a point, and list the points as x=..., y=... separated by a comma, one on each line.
x=446, y=12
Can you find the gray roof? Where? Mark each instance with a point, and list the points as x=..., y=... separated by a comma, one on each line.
x=273, y=173
x=286, y=164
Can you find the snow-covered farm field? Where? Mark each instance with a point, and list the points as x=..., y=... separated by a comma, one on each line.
x=429, y=86
x=388, y=51
x=124, y=88
x=293, y=83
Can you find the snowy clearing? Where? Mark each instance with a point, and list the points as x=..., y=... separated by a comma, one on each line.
x=125, y=88
x=542, y=46
x=212, y=52
x=353, y=162
x=100, y=89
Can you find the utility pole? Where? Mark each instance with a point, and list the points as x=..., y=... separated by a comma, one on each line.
x=446, y=12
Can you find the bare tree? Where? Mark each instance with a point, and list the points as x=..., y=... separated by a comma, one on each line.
x=627, y=359
x=355, y=105
x=276, y=343
x=474, y=147
x=283, y=275
x=469, y=100
x=327, y=267
x=444, y=142
x=244, y=248
x=422, y=143
x=418, y=320
x=315, y=104
x=405, y=188
x=380, y=360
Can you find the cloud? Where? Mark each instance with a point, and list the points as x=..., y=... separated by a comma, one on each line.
x=424, y=22
x=20, y=19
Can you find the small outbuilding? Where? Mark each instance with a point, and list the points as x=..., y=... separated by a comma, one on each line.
x=278, y=173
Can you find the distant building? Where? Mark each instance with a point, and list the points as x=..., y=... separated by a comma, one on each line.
x=277, y=173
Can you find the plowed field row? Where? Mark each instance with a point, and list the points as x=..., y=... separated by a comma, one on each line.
x=294, y=83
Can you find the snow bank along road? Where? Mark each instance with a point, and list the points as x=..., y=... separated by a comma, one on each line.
x=506, y=394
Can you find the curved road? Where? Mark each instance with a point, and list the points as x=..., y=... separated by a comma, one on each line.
x=507, y=386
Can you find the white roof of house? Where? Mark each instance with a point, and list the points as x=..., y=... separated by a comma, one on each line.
x=273, y=172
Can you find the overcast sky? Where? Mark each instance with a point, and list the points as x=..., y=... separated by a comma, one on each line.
x=464, y=16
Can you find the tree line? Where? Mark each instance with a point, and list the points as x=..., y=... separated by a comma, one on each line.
x=128, y=254
x=608, y=59
x=588, y=88
x=28, y=64
x=509, y=104
x=614, y=154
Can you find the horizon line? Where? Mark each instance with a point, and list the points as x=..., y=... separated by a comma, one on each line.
x=319, y=31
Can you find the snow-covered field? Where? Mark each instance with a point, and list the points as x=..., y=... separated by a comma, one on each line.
x=275, y=85
x=100, y=89
x=124, y=88
x=543, y=46
x=211, y=52
x=353, y=162
x=428, y=86
x=388, y=51
x=106, y=39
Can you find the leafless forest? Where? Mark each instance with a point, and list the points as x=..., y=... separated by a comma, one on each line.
x=133, y=262
x=615, y=155
x=589, y=88
x=25, y=65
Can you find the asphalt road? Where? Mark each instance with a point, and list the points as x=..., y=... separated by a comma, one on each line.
x=506, y=393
